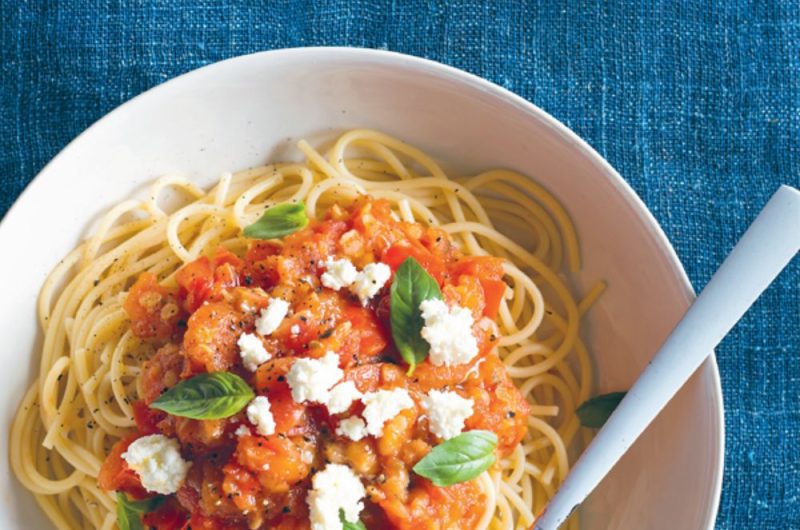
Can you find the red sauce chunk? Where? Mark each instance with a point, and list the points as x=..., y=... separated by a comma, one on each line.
x=240, y=479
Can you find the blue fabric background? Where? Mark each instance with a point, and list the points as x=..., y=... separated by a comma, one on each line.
x=696, y=104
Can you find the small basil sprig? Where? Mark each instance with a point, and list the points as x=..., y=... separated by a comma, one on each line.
x=206, y=397
x=278, y=221
x=459, y=459
x=411, y=286
x=129, y=512
x=595, y=412
x=347, y=525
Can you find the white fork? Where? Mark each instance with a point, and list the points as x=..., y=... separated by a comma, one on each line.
x=763, y=251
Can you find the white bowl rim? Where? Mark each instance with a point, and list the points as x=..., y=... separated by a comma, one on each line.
x=461, y=76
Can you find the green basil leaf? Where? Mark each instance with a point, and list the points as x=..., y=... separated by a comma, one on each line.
x=594, y=412
x=459, y=459
x=278, y=221
x=206, y=397
x=411, y=286
x=129, y=512
x=347, y=525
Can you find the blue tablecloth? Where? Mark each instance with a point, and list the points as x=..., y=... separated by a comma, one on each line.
x=696, y=104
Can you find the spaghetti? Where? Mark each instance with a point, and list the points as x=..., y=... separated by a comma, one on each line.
x=81, y=400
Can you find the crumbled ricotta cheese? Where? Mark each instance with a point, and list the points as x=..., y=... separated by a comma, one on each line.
x=335, y=488
x=295, y=330
x=447, y=412
x=260, y=415
x=252, y=351
x=158, y=462
x=271, y=317
x=449, y=332
x=342, y=396
x=242, y=430
x=339, y=273
x=353, y=427
x=311, y=379
x=383, y=405
x=370, y=280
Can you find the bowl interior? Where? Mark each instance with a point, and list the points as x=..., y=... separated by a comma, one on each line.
x=246, y=111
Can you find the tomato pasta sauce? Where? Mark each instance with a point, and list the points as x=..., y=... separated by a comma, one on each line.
x=240, y=478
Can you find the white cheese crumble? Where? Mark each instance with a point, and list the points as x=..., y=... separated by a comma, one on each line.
x=242, y=430
x=271, y=317
x=383, y=405
x=447, y=412
x=449, y=332
x=158, y=462
x=333, y=489
x=252, y=351
x=353, y=427
x=370, y=280
x=260, y=415
x=342, y=396
x=295, y=330
x=339, y=273
x=311, y=379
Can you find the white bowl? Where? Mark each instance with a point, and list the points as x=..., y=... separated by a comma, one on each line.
x=251, y=109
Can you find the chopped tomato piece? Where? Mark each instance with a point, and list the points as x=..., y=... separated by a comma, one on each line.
x=153, y=310
x=211, y=336
x=488, y=267
x=370, y=377
x=430, y=377
x=225, y=257
x=398, y=253
x=364, y=340
x=195, y=280
x=162, y=371
x=498, y=405
x=290, y=417
x=366, y=377
x=432, y=508
x=261, y=250
x=278, y=462
x=271, y=376
x=493, y=293
x=466, y=293
x=147, y=419
x=260, y=268
x=488, y=270
x=270, y=271
x=226, y=271
x=115, y=475
x=225, y=277
x=204, y=279
x=200, y=436
x=241, y=486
